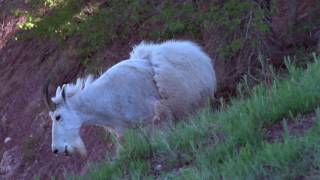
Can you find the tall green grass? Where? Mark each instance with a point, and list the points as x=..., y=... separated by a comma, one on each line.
x=229, y=143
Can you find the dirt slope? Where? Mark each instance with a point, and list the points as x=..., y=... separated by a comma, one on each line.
x=25, y=66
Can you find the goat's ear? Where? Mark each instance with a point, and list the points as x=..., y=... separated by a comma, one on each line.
x=64, y=93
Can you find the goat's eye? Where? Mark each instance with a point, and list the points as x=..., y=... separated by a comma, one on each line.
x=58, y=118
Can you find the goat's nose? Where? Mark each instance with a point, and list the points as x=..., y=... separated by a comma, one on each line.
x=55, y=151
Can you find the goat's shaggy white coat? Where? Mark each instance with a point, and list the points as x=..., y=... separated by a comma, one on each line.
x=158, y=81
x=183, y=74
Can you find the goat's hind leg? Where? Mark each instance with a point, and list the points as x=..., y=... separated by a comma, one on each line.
x=161, y=113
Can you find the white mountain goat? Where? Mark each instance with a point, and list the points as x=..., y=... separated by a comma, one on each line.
x=158, y=82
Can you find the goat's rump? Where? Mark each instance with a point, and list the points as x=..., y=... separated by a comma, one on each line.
x=182, y=73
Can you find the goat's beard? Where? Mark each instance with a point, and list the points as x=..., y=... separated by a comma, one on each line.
x=80, y=147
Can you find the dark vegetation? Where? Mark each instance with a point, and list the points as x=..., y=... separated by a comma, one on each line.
x=267, y=76
x=240, y=35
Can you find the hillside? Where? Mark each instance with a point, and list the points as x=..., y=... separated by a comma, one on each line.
x=251, y=131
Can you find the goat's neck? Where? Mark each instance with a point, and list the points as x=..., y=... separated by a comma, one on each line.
x=89, y=113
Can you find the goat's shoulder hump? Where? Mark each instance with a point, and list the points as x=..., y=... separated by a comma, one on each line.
x=144, y=50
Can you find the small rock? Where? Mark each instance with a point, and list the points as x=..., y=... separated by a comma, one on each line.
x=158, y=167
x=3, y=120
x=7, y=139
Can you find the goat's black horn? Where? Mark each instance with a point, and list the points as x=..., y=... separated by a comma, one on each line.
x=47, y=100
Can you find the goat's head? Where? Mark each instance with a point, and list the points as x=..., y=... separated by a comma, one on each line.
x=66, y=122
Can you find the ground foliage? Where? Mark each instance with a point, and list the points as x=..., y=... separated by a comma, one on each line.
x=240, y=28
x=102, y=22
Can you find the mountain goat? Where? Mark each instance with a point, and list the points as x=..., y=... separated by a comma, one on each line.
x=158, y=82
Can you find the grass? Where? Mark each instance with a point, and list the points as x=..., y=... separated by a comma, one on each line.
x=230, y=143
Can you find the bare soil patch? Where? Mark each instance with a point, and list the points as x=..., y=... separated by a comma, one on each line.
x=296, y=127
